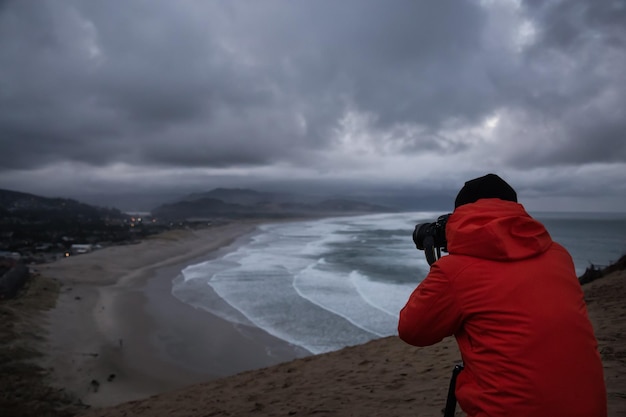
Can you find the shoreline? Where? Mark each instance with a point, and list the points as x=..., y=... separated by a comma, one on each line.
x=381, y=377
x=156, y=375
x=118, y=334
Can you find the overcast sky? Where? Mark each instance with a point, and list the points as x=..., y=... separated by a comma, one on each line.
x=160, y=96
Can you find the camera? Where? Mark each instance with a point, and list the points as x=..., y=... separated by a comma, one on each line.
x=431, y=238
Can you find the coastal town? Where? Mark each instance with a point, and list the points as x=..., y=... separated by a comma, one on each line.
x=36, y=230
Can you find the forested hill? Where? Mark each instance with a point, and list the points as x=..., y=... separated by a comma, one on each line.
x=246, y=203
x=24, y=207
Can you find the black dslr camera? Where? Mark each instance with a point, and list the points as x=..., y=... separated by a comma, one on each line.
x=431, y=238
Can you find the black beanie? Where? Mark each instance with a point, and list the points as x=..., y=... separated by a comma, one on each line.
x=489, y=186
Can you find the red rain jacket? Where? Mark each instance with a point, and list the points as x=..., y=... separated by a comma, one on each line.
x=510, y=296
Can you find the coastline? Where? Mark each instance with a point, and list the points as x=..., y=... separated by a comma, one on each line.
x=124, y=293
x=118, y=334
x=381, y=377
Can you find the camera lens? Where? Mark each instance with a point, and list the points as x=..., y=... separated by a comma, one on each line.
x=420, y=233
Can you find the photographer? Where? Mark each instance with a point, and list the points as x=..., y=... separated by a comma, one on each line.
x=511, y=298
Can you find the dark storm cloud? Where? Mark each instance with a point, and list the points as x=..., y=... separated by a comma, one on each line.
x=109, y=82
x=574, y=84
x=569, y=23
x=124, y=81
x=399, y=60
x=321, y=84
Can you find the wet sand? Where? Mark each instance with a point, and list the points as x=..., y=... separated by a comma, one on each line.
x=117, y=333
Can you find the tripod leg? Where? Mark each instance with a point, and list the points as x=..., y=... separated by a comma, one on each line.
x=451, y=401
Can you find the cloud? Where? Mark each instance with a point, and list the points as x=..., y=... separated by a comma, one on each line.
x=358, y=90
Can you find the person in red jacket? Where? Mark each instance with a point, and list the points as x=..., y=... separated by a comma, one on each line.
x=510, y=296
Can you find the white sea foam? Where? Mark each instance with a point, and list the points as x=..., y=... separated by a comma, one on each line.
x=284, y=282
x=386, y=297
x=338, y=295
x=331, y=283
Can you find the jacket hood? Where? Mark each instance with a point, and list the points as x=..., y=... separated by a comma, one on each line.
x=495, y=229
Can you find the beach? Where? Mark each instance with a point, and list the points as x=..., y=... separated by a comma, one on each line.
x=121, y=343
x=117, y=334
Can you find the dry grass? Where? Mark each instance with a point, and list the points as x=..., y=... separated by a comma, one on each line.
x=23, y=383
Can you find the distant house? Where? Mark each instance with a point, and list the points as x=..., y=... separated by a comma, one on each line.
x=77, y=249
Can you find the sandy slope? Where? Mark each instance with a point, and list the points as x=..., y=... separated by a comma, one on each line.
x=382, y=378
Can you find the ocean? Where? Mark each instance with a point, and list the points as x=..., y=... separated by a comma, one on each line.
x=330, y=283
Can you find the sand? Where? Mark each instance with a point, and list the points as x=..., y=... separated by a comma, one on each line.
x=119, y=341
x=117, y=333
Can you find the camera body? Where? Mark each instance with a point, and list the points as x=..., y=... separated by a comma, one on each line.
x=431, y=238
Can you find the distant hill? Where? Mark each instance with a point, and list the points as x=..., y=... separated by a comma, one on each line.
x=246, y=203
x=242, y=196
x=24, y=207
x=40, y=229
